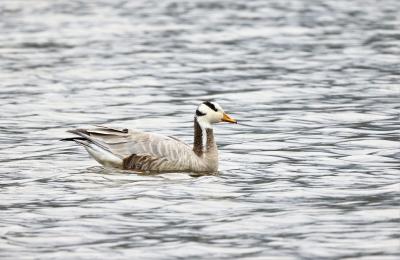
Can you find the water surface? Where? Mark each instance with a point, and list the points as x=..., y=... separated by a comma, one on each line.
x=313, y=172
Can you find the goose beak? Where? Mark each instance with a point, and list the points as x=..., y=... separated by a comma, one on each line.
x=229, y=119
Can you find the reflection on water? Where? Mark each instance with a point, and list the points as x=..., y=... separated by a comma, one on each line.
x=312, y=173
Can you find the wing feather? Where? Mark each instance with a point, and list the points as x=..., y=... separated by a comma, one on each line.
x=141, y=150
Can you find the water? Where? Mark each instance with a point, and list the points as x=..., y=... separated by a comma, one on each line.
x=313, y=172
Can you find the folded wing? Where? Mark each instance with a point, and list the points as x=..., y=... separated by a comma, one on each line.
x=138, y=150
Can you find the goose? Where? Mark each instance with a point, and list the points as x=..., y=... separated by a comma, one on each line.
x=130, y=149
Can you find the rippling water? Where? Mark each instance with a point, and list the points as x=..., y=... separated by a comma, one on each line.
x=313, y=172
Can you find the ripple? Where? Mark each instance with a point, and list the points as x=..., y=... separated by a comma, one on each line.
x=311, y=172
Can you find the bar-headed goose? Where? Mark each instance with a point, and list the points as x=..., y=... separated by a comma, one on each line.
x=130, y=149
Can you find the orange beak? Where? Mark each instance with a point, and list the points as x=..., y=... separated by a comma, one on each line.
x=229, y=119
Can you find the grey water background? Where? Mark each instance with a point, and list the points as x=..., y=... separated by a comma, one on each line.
x=313, y=172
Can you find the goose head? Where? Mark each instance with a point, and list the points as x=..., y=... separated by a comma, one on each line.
x=209, y=113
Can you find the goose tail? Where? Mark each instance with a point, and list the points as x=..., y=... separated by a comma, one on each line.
x=97, y=149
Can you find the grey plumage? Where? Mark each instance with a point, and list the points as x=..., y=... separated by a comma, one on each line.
x=140, y=151
x=131, y=149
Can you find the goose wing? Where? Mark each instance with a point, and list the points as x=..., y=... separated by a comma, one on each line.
x=140, y=150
